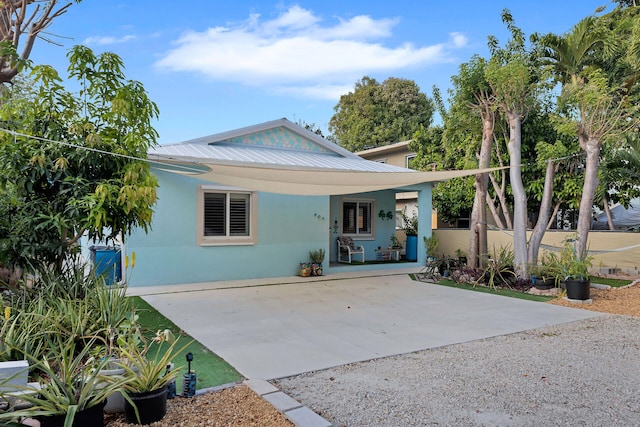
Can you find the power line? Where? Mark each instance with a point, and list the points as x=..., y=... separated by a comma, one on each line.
x=97, y=150
x=186, y=168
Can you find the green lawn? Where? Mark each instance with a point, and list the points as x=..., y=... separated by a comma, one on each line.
x=210, y=369
x=517, y=294
x=616, y=283
x=488, y=290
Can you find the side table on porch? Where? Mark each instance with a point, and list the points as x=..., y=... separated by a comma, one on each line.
x=387, y=254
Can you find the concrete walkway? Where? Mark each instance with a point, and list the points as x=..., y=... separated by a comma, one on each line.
x=273, y=328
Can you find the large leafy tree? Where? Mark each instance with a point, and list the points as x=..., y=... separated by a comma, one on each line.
x=21, y=23
x=71, y=166
x=596, y=102
x=512, y=78
x=377, y=114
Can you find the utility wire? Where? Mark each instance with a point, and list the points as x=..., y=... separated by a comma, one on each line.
x=164, y=165
x=97, y=150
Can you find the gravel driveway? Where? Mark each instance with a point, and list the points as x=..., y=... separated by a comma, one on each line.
x=585, y=373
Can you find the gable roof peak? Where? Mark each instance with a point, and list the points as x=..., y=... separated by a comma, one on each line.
x=278, y=123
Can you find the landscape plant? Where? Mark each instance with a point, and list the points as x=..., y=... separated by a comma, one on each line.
x=70, y=383
x=499, y=269
x=317, y=255
x=73, y=163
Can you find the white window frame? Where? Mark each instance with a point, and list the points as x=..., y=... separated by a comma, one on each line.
x=407, y=159
x=372, y=225
x=226, y=240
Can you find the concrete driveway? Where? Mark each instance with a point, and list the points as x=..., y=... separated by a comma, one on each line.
x=274, y=328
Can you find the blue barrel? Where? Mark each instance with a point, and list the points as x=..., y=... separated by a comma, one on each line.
x=412, y=248
x=106, y=262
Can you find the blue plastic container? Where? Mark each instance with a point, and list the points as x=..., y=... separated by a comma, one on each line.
x=412, y=248
x=107, y=263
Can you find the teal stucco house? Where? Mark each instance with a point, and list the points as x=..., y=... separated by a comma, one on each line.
x=252, y=203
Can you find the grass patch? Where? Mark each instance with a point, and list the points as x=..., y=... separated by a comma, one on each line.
x=488, y=290
x=614, y=283
x=211, y=370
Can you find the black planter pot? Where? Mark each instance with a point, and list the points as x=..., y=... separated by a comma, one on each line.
x=545, y=284
x=578, y=289
x=88, y=417
x=152, y=406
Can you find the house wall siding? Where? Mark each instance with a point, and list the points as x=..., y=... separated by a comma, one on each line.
x=288, y=228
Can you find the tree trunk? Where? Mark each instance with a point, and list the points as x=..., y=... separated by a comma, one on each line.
x=501, y=190
x=585, y=214
x=519, y=195
x=607, y=212
x=494, y=212
x=478, y=236
x=554, y=215
x=543, y=215
x=472, y=252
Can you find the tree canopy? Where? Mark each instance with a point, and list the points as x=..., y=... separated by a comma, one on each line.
x=70, y=160
x=28, y=18
x=377, y=114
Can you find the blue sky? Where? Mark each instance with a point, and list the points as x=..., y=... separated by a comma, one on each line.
x=214, y=66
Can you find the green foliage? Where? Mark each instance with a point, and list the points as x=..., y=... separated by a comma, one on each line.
x=70, y=383
x=620, y=171
x=453, y=198
x=499, y=269
x=410, y=224
x=56, y=192
x=575, y=265
x=431, y=244
x=377, y=114
x=149, y=372
x=317, y=255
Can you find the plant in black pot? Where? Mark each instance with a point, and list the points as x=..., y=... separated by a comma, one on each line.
x=575, y=267
x=72, y=390
x=547, y=274
x=148, y=377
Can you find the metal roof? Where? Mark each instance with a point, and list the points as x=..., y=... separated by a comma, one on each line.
x=229, y=148
x=222, y=153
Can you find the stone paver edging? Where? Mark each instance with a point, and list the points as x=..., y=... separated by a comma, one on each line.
x=295, y=412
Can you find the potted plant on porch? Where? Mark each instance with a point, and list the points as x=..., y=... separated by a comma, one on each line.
x=317, y=257
x=410, y=227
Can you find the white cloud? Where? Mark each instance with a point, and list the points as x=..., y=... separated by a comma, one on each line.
x=296, y=53
x=458, y=40
x=107, y=40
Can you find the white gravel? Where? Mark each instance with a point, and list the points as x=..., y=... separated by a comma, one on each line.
x=584, y=373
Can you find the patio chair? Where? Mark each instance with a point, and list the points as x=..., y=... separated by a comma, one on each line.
x=347, y=248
